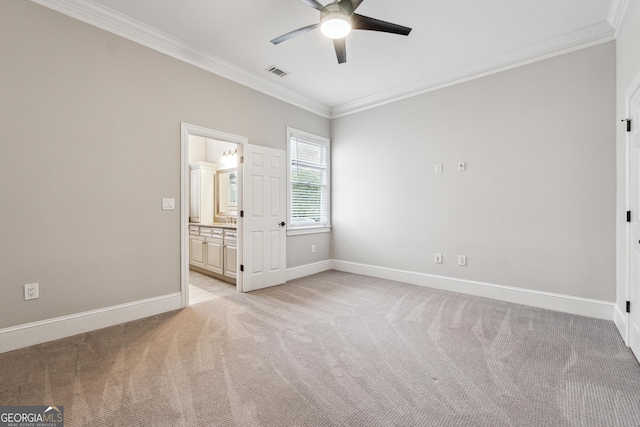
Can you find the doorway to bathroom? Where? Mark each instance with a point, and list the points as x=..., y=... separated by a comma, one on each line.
x=210, y=202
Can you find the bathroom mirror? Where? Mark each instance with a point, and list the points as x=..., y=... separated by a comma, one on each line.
x=227, y=192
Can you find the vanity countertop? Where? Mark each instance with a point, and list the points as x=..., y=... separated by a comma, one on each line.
x=216, y=224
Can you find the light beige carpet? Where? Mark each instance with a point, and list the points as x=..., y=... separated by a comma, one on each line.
x=336, y=349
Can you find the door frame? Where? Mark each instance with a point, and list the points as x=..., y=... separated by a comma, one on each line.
x=187, y=130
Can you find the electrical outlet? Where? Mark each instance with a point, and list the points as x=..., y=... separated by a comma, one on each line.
x=31, y=291
x=168, y=204
x=462, y=260
x=313, y=249
x=438, y=258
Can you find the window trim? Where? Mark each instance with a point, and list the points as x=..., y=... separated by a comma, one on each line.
x=316, y=139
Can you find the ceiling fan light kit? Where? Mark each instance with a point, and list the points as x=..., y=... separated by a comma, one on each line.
x=337, y=19
x=335, y=25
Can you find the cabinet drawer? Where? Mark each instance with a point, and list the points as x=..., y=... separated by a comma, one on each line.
x=211, y=232
x=230, y=235
x=194, y=230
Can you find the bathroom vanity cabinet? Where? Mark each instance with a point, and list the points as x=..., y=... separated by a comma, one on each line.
x=213, y=251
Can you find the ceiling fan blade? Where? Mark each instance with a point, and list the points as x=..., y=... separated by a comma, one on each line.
x=314, y=4
x=294, y=33
x=341, y=50
x=359, y=22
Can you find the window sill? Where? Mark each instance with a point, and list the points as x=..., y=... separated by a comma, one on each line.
x=308, y=230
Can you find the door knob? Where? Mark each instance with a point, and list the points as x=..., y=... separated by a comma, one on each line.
x=282, y=224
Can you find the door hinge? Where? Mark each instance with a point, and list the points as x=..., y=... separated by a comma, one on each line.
x=241, y=159
x=628, y=216
x=628, y=124
x=241, y=267
x=241, y=214
x=628, y=306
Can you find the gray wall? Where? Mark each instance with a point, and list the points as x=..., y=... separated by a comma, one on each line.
x=90, y=134
x=628, y=70
x=535, y=208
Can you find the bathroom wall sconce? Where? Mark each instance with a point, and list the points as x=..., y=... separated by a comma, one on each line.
x=230, y=158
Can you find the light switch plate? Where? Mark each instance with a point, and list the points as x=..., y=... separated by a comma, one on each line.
x=462, y=166
x=438, y=168
x=168, y=204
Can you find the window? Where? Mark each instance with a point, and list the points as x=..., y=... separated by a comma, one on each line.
x=309, y=168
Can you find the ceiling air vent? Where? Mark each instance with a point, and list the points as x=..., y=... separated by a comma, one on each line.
x=277, y=71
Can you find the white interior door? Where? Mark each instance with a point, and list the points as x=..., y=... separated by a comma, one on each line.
x=263, y=228
x=634, y=206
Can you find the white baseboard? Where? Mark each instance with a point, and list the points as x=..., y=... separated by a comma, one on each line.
x=557, y=302
x=620, y=319
x=20, y=336
x=16, y=337
x=308, y=269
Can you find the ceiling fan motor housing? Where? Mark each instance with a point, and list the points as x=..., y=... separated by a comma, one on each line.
x=338, y=6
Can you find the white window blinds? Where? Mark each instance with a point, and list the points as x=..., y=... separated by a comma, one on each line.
x=309, y=179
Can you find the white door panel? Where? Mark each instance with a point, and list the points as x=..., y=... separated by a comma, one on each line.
x=634, y=206
x=257, y=242
x=264, y=237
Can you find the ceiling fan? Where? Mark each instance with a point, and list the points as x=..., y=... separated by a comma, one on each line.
x=337, y=19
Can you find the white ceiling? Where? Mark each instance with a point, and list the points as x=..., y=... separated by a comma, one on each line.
x=452, y=40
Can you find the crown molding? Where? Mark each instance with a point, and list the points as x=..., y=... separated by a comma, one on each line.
x=617, y=10
x=586, y=37
x=99, y=16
